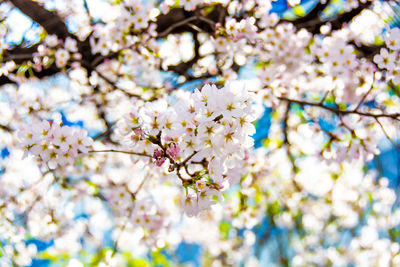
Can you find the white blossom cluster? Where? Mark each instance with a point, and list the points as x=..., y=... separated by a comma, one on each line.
x=52, y=144
x=164, y=156
x=210, y=128
x=389, y=59
x=61, y=51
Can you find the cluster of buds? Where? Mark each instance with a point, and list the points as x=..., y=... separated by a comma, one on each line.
x=171, y=152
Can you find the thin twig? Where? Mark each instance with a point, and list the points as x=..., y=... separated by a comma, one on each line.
x=324, y=97
x=189, y=157
x=288, y=145
x=85, y=4
x=365, y=96
x=105, y=133
x=120, y=151
x=5, y=128
x=386, y=134
x=183, y=22
x=337, y=111
x=114, y=85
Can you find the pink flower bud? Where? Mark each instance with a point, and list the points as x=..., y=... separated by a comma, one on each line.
x=75, y=64
x=77, y=56
x=38, y=67
x=157, y=154
x=173, y=150
x=160, y=161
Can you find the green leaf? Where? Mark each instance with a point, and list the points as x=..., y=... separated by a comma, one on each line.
x=138, y=263
x=159, y=259
x=299, y=11
x=273, y=208
x=224, y=228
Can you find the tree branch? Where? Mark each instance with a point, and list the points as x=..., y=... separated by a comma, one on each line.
x=313, y=21
x=50, y=21
x=309, y=17
x=395, y=116
x=120, y=151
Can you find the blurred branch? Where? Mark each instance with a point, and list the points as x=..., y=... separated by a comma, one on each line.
x=120, y=151
x=386, y=134
x=177, y=20
x=50, y=21
x=337, y=111
x=114, y=85
x=185, y=22
x=367, y=51
x=182, y=68
x=313, y=21
x=310, y=16
x=338, y=22
x=288, y=145
x=85, y=5
x=5, y=128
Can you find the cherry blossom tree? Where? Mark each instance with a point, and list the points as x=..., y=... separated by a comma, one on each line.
x=133, y=130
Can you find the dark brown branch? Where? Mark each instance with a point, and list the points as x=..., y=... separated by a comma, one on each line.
x=52, y=70
x=367, y=51
x=53, y=24
x=187, y=21
x=5, y=128
x=19, y=54
x=183, y=67
x=173, y=22
x=346, y=17
x=50, y=21
x=176, y=21
x=313, y=21
x=314, y=13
